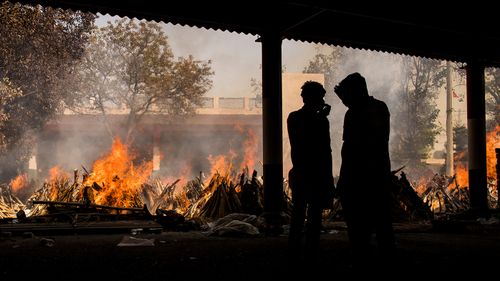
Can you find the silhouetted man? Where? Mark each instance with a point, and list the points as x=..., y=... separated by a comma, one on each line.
x=365, y=172
x=310, y=179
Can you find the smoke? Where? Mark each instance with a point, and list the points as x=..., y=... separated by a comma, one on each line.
x=382, y=72
x=236, y=58
x=185, y=148
x=383, y=76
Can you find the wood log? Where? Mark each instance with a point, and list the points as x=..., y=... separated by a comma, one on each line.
x=78, y=204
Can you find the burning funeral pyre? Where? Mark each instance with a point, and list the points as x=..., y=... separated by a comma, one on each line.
x=115, y=188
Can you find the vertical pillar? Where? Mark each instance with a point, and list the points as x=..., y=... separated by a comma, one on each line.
x=476, y=127
x=272, y=128
x=449, y=122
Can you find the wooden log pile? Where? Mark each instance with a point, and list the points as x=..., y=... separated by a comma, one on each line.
x=251, y=194
x=223, y=199
x=162, y=196
x=407, y=204
x=59, y=189
x=443, y=200
x=9, y=203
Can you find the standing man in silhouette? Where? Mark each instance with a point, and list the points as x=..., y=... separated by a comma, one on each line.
x=365, y=173
x=311, y=178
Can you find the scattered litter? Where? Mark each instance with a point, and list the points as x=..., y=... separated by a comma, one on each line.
x=28, y=235
x=489, y=221
x=47, y=242
x=136, y=231
x=235, y=224
x=129, y=241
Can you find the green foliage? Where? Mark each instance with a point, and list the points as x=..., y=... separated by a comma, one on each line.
x=38, y=48
x=8, y=93
x=460, y=138
x=414, y=126
x=328, y=64
x=492, y=91
x=129, y=66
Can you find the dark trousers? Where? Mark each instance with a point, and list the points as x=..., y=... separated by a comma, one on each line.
x=364, y=216
x=306, y=220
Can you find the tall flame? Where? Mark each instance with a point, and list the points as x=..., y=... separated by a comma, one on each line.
x=492, y=141
x=119, y=179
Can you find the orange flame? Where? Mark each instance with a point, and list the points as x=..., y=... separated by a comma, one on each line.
x=250, y=150
x=56, y=173
x=222, y=164
x=492, y=141
x=19, y=182
x=462, y=170
x=55, y=181
x=120, y=181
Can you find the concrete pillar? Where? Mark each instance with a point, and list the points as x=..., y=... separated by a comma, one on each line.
x=476, y=126
x=449, y=122
x=272, y=127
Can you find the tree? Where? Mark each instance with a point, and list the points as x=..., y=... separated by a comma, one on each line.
x=327, y=64
x=129, y=65
x=8, y=93
x=492, y=89
x=415, y=130
x=38, y=48
x=460, y=139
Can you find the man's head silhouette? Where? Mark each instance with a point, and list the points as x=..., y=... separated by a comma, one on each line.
x=351, y=89
x=312, y=92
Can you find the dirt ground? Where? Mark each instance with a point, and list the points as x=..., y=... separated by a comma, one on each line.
x=423, y=251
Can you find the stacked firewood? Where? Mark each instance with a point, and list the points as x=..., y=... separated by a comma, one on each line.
x=439, y=197
x=251, y=194
x=9, y=203
x=59, y=189
x=158, y=195
x=223, y=199
x=407, y=204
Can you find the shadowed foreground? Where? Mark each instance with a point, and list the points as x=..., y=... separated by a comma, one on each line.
x=422, y=252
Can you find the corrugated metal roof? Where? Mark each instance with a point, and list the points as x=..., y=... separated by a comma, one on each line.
x=456, y=33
